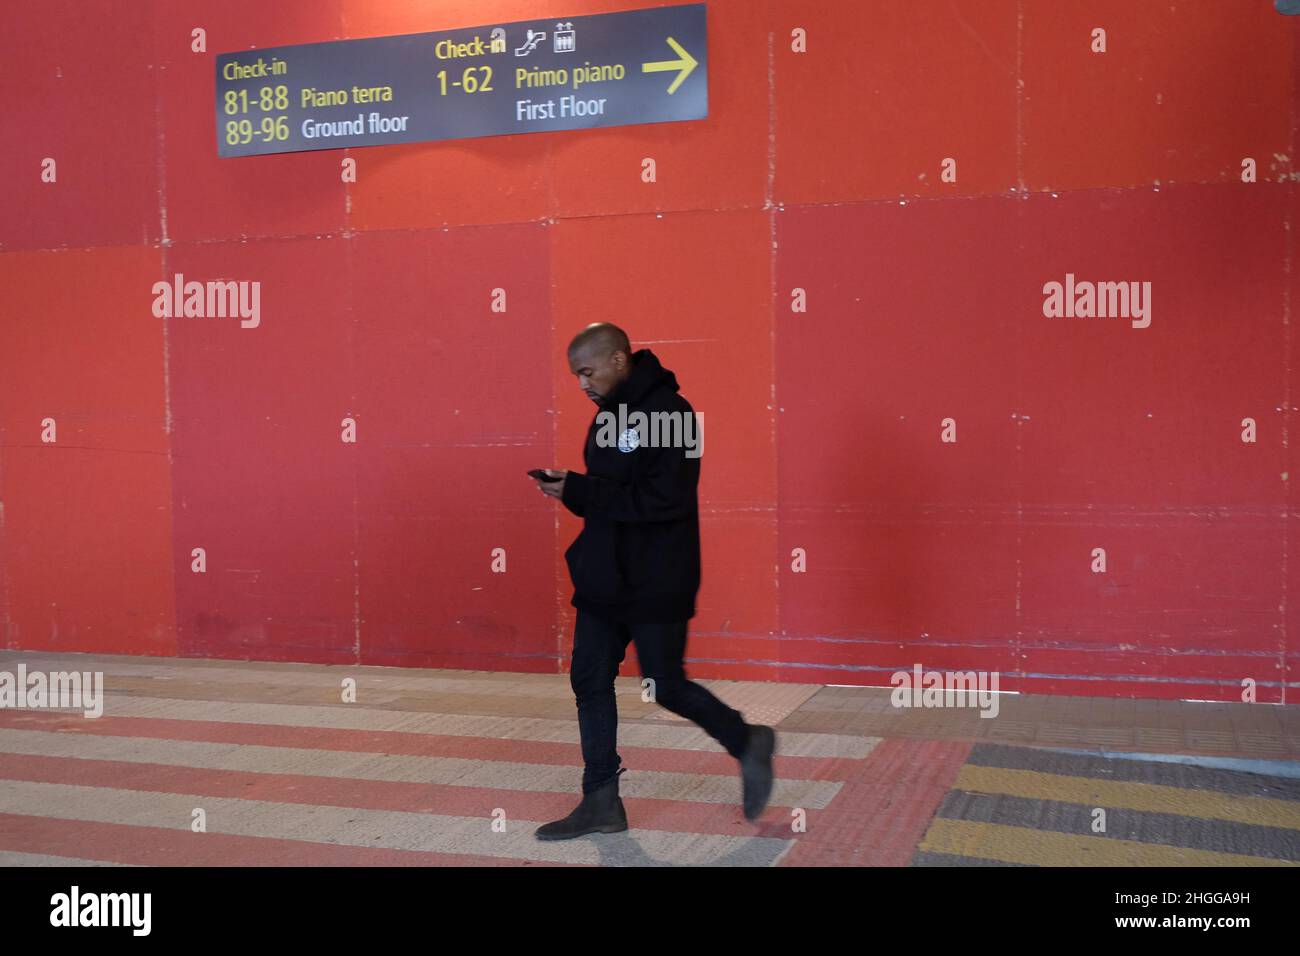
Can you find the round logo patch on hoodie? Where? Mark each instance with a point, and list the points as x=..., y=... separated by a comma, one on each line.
x=630, y=440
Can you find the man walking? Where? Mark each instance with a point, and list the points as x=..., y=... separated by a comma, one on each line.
x=635, y=569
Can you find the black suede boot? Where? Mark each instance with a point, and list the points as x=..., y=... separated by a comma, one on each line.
x=600, y=811
x=756, y=769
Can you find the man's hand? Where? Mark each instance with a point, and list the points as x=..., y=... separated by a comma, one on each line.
x=553, y=488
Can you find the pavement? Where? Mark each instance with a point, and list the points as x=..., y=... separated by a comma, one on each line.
x=214, y=762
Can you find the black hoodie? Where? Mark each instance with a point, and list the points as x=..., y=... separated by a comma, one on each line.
x=638, y=555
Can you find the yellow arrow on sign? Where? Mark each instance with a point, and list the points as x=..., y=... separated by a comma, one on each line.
x=685, y=62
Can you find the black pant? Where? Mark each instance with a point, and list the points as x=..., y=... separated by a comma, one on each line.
x=598, y=649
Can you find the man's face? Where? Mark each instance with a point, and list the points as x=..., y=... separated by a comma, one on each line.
x=597, y=375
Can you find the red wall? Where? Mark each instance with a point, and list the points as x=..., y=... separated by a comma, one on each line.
x=817, y=171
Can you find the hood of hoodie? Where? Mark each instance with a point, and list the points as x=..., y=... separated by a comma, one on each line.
x=647, y=375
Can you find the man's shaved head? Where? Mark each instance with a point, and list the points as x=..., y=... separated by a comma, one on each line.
x=600, y=339
x=601, y=356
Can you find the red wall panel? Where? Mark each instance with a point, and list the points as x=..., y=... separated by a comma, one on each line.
x=817, y=171
x=68, y=65
x=86, y=519
x=455, y=401
x=1287, y=645
x=887, y=91
x=1133, y=442
x=1183, y=92
x=910, y=541
x=261, y=480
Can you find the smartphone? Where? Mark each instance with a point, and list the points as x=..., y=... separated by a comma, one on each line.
x=541, y=475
